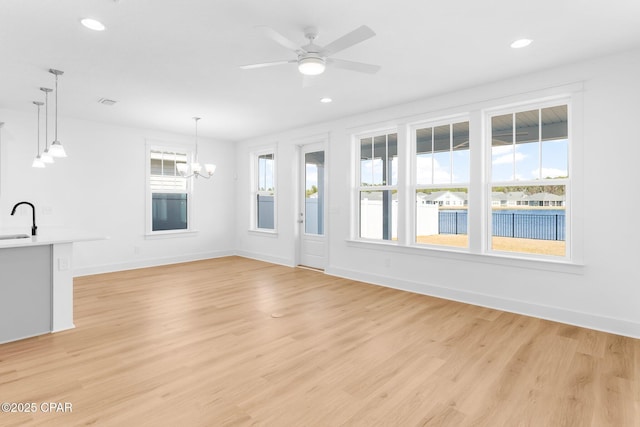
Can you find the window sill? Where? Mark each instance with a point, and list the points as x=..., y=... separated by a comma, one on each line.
x=265, y=233
x=172, y=234
x=507, y=260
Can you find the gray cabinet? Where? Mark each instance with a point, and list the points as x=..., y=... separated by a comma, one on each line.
x=25, y=292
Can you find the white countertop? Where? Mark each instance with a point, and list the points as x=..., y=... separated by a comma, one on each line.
x=47, y=237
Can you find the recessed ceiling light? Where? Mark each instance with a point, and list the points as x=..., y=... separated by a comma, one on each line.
x=521, y=43
x=326, y=100
x=92, y=24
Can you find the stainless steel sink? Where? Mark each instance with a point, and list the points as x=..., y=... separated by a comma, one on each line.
x=13, y=236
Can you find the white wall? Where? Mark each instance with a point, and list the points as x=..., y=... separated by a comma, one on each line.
x=100, y=188
x=280, y=247
x=603, y=294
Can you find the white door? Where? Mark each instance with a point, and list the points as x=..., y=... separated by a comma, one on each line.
x=311, y=217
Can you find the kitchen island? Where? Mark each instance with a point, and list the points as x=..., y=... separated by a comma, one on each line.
x=36, y=284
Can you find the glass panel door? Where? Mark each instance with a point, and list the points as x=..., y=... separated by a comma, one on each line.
x=311, y=215
x=314, y=193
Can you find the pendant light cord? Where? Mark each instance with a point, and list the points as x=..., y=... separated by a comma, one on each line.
x=46, y=120
x=56, y=107
x=38, y=152
x=196, y=119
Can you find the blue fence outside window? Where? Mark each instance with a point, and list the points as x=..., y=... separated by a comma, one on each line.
x=549, y=225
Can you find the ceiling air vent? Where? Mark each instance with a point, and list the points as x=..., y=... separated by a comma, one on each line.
x=106, y=101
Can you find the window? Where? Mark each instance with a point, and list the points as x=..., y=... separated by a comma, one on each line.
x=441, y=180
x=490, y=180
x=530, y=180
x=377, y=187
x=169, y=193
x=264, y=191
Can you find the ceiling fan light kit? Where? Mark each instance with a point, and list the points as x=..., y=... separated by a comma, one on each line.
x=312, y=59
x=311, y=65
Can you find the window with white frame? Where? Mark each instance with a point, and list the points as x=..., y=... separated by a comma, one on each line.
x=441, y=165
x=378, y=186
x=490, y=180
x=264, y=191
x=529, y=179
x=169, y=192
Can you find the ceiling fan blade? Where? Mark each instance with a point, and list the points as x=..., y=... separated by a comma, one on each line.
x=267, y=64
x=354, y=66
x=281, y=40
x=354, y=37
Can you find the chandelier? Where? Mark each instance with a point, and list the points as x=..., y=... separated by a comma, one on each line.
x=195, y=169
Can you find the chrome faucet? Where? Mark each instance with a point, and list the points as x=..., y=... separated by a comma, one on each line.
x=33, y=210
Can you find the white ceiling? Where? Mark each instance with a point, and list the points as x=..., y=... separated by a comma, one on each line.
x=166, y=61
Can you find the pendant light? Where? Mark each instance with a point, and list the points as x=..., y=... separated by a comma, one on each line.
x=196, y=168
x=37, y=162
x=57, y=150
x=46, y=155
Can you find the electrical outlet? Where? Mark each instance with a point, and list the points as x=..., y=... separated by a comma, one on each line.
x=47, y=210
x=63, y=264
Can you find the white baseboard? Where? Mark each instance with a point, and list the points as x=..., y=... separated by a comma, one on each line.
x=64, y=328
x=155, y=262
x=557, y=314
x=266, y=258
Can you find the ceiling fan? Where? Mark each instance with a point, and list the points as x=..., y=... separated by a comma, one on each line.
x=313, y=59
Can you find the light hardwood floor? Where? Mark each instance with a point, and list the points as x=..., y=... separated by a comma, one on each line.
x=233, y=341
